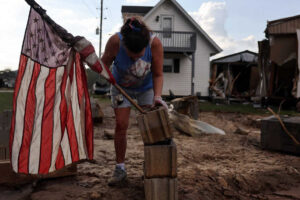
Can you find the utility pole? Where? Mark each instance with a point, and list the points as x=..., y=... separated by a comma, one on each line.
x=100, y=34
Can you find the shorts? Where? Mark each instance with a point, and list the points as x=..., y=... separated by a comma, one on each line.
x=120, y=101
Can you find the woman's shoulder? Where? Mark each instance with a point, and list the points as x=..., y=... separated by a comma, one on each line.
x=111, y=49
x=155, y=43
x=114, y=40
x=113, y=44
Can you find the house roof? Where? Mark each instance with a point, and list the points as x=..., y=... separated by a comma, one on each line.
x=287, y=25
x=206, y=36
x=243, y=56
x=136, y=9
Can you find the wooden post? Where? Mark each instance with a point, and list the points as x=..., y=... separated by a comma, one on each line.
x=272, y=79
x=187, y=106
x=213, y=73
x=161, y=189
x=160, y=160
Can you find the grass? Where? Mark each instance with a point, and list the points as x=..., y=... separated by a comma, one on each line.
x=241, y=108
x=6, y=100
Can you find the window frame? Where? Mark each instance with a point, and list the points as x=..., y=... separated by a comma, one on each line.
x=174, y=67
x=168, y=33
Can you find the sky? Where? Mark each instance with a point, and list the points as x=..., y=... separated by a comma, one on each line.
x=235, y=25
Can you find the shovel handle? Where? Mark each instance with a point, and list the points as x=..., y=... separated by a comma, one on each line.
x=129, y=98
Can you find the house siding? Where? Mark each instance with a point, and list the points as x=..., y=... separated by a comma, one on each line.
x=202, y=67
x=180, y=83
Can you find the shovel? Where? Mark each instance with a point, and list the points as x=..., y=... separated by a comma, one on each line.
x=154, y=125
x=129, y=98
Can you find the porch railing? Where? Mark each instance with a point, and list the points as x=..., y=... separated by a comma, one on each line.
x=177, y=41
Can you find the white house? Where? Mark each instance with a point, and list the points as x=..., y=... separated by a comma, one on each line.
x=187, y=47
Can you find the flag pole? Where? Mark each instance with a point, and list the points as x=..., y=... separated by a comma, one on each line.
x=100, y=34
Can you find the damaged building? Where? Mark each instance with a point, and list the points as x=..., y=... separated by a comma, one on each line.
x=235, y=76
x=278, y=61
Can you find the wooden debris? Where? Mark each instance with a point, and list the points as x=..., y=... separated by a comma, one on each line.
x=187, y=106
x=154, y=126
x=97, y=113
x=10, y=178
x=218, y=91
x=241, y=131
x=192, y=127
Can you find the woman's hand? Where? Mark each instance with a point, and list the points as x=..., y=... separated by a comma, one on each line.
x=158, y=101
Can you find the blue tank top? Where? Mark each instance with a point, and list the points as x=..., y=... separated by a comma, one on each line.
x=130, y=74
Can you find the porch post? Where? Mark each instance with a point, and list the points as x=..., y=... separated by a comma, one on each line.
x=193, y=74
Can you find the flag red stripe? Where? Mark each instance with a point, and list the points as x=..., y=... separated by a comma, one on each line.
x=28, y=121
x=89, y=134
x=80, y=89
x=97, y=67
x=87, y=51
x=63, y=103
x=81, y=79
x=63, y=117
x=70, y=123
x=60, y=162
x=47, y=123
x=22, y=66
x=72, y=136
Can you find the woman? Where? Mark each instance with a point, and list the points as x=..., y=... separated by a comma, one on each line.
x=137, y=58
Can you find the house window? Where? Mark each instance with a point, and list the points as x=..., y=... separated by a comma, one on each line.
x=171, y=65
x=167, y=26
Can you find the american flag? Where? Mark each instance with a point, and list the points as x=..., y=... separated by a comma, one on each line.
x=52, y=123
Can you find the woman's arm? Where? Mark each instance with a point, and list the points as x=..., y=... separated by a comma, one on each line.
x=111, y=50
x=157, y=66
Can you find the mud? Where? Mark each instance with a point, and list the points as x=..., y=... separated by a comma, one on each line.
x=209, y=166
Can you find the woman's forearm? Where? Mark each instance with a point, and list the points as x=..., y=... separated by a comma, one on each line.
x=157, y=84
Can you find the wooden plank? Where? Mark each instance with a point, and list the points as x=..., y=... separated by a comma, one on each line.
x=148, y=135
x=163, y=116
x=273, y=136
x=4, y=153
x=152, y=128
x=161, y=189
x=10, y=178
x=160, y=160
